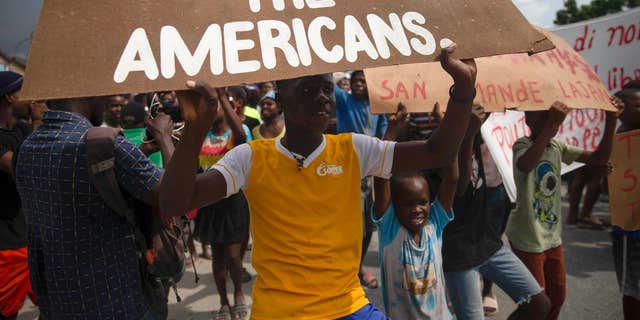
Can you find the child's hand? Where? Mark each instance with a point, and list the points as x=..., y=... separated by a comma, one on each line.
x=478, y=116
x=557, y=113
x=463, y=72
x=397, y=121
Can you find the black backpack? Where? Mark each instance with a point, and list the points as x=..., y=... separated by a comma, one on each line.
x=159, y=243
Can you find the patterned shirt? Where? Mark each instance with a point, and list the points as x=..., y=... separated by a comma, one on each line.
x=412, y=278
x=82, y=255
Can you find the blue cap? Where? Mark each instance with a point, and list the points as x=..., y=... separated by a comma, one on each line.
x=10, y=82
x=271, y=94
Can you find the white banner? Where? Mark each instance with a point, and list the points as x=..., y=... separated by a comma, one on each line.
x=611, y=44
x=582, y=128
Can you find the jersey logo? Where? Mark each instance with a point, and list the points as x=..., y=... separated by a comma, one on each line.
x=329, y=169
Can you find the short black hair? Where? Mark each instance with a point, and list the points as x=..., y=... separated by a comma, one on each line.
x=238, y=92
x=397, y=177
x=628, y=90
x=353, y=74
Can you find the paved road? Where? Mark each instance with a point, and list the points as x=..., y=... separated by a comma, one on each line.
x=592, y=288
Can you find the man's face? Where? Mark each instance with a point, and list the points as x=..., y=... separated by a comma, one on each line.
x=630, y=117
x=359, y=86
x=114, y=107
x=308, y=101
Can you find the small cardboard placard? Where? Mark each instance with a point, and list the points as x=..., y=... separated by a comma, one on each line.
x=92, y=48
x=624, y=181
x=516, y=81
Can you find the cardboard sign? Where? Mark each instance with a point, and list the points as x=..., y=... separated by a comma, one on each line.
x=610, y=44
x=583, y=128
x=91, y=48
x=624, y=181
x=517, y=81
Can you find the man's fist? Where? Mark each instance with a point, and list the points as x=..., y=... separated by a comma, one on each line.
x=199, y=104
x=463, y=72
x=557, y=113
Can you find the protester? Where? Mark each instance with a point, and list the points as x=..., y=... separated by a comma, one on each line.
x=15, y=285
x=133, y=117
x=97, y=274
x=307, y=232
x=626, y=244
x=248, y=115
x=272, y=126
x=410, y=238
x=114, y=108
x=265, y=87
x=225, y=224
x=535, y=226
x=473, y=244
x=354, y=115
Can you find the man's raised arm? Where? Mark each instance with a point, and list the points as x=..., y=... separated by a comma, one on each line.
x=181, y=189
x=441, y=149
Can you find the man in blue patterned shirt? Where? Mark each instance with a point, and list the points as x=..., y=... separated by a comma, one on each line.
x=82, y=255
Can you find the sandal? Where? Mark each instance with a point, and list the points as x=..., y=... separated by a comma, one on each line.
x=369, y=281
x=592, y=223
x=223, y=314
x=490, y=306
x=240, y=312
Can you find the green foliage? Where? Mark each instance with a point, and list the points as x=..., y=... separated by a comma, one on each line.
x=597, y=8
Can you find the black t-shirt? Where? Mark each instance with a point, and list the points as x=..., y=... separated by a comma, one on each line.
x=471, y=237
x=251, y=122
x=12, y=224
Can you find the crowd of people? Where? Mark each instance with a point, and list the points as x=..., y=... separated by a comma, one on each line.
x=300, y=172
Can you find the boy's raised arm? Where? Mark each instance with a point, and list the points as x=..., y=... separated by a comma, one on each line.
x=465, y=162
x=442, y=148
x=557, y=112
x=180, y=189
x=382, y=187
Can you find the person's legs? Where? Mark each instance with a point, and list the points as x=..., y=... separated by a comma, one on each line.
x=590, y=198
x=575, y=195
x=464, y=292
x=367, y=202
x=220, y=272
x=540, y=302
x=626, y=258
x=233, y=252
x=511, y=274
x=555, y=279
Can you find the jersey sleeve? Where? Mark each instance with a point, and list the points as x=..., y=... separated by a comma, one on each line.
x=235, y=167
x=388, y=225
x=570, y=153
x=375, y=155
x=439, y=217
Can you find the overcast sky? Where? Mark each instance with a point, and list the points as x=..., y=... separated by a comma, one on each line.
x=542, y=12
x=19, y=17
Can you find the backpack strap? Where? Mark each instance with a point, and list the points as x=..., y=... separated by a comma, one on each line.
x=100, y=152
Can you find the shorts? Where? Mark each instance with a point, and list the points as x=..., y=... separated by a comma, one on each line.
x=626, y=259
x=368, y=312
x=504, y=269
x=15, y=285
x=224, y=222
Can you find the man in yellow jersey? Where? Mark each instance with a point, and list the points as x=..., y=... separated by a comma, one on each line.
x=304, y=190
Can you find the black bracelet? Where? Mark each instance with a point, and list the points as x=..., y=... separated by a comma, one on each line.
x=467, y=100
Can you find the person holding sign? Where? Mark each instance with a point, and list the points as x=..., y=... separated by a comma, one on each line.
x=535, y=226
x=308, y=228
x=626, y=243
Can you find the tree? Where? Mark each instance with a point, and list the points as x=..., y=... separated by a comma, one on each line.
x=597, y=8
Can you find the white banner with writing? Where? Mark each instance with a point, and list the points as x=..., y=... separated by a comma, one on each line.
x=611, y=44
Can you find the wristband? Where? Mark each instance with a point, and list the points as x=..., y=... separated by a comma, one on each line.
x=467, y=100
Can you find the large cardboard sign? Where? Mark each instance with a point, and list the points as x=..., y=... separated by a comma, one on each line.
x=610, y=44
x=583, y=128
x=88, y=48
x=624, y=183
x=516, y=81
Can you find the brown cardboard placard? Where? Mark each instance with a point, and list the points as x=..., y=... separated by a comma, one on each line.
x=92, y=48
x=624, y=181
x=515, y=81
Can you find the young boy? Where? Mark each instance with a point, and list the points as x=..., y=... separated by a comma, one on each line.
x=626, y=244
x=534, y=228
x=410, y=238
x=304, y=191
